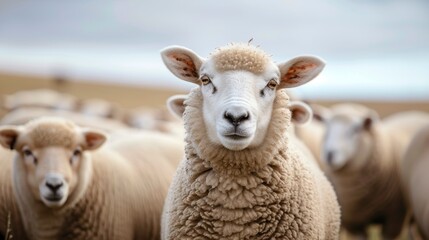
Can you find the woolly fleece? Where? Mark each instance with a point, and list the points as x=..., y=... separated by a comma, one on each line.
x=123, y=199
x=240, y=56
x=268, y=192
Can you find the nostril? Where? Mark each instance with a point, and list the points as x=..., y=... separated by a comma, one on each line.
x=330, y=157
x=54, y=186
x=236, y=119
x=227, y=116
x=245, y=116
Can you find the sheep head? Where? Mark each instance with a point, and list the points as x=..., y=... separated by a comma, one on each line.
x=347, y=139
x=51, y=159
x=238, y=83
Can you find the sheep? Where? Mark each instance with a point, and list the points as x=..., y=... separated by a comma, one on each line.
x=69, y=187
x=361, y=156
x=96, y=107
x=25, y=114
x=242, y=176
x=157, y=119
x=43, y=98
x=414, y=178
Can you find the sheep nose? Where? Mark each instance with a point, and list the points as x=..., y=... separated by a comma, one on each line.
x=236, y=116
x=54, y=183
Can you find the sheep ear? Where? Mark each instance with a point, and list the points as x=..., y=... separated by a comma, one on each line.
x=93, y=139
x=301, y=112
x=370, y=119
x=299, y=71
x=183, y=63
x=8, y=136
x=320, y=113
x=176, y=105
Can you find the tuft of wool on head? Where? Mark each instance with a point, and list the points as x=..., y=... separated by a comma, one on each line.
x=46, y=132
x=240, y=56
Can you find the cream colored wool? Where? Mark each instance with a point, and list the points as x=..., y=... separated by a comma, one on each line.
x=23, y=115
x=268, y=192
x=369, y=191
x=240, y=56
x=7, y=199
x=415, y=177
x=371, y=194
x=127, y=183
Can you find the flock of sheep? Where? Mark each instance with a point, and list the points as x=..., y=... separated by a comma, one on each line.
x=238, y=158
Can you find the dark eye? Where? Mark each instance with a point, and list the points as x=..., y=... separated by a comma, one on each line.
x=272, y=84
x=77, y=153
x=28, y=154
x=205, y=80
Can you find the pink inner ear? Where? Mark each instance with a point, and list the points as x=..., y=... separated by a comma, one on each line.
x=94, y=140
x=298, y=71
x=185, y=65
x=9, y=137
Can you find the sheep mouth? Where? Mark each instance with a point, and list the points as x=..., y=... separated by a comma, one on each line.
x=54, y=198
x=236, y=136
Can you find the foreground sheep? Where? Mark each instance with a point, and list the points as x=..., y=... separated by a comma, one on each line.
x=362, y=157
x=66, y=189
x=243, y=177
x=415, y=179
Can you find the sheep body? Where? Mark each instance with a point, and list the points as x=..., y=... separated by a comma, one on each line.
x=414, y=178
x=368, y=189
x=269, y=192
x=126, y=185
x=8, y=205
x=23, y=115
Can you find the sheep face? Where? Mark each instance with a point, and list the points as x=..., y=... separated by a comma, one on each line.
x=238, y=85
x=347, y=139
x=52, y=173
x=51, y=157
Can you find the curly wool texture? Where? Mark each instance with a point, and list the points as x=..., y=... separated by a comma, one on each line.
x=268, y=192
x=240, y=56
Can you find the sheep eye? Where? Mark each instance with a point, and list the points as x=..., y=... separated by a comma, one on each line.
x=28, y=153
x=205, y=80
x=77, y=153
x=272, y=84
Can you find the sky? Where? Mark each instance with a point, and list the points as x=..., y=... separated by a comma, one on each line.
x=374, y=49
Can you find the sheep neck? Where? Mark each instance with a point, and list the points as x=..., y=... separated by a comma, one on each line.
x=225, y=161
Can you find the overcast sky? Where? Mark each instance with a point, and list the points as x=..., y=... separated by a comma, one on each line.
x=374, y=49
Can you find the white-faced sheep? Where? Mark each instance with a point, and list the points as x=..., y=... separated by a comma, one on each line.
x=415, y=179
x=362, y=155
x=243, y=177
x=66, y=189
